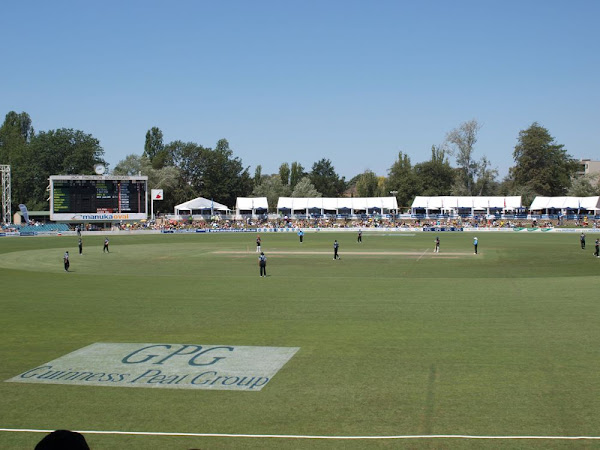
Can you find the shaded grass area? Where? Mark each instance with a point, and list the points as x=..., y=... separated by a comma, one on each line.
x=502, y=343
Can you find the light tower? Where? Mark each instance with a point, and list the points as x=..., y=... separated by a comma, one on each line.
x=6, y=194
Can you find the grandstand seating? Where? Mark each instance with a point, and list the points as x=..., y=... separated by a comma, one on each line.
x=60, y=227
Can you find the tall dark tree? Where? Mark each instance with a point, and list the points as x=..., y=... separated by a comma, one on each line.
x=190, y=158
x=224, y=176
x=154, y=149
x=403, y=181
x=542, y=165
x=435, y=176
x=367, y=184
x=284, y=173
x=296, y=174
x=154, y=142
x=16, y=131
x=15, y=135
x=257, y=175
x=326, y=180
x=214, y=174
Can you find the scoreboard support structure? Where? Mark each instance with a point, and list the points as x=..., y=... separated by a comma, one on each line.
x=98, y=198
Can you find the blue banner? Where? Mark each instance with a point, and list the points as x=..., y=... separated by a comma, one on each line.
x=442, y=229
x=24, y=211
x=227, y=230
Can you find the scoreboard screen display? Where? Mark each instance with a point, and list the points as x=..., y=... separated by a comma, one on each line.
x=97, y=198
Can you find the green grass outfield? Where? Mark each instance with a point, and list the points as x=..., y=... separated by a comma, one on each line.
x=394, y=340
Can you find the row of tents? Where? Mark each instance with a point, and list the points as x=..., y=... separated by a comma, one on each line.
x=292, y=205
x=385, y=205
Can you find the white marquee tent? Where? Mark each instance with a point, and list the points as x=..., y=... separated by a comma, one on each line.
x=251, y=204
x=454, y=203
x=199, y=206
x=565, y=203
x=328, y=205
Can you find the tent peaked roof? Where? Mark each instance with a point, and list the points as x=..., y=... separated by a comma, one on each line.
x=200, y=203
x=587, y=203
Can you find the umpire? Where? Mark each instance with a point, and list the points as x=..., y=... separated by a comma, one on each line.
x=262, y=262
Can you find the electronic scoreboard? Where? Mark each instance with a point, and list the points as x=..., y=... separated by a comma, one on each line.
x=99, y=198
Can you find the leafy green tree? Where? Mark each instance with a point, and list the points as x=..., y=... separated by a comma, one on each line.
x=505, y=187
x=367, y=184
x=34, y=157
x=436, y=176
x=16, y=131
x=462, y=141
x=472, y=177
x=214, y=174
x=296, y=173
x=60, y=152
x=154, y=149
x=403, y=181
x=381, y=187
x=224, y=176
x=182, y=192
x=326, y=180
x=541, y=164
x=15, y=135
x=190, y=159
x=272, y=188
x=257, y=175
x=486, y=182
x=305, y=189
x=585, y=186
x=526, y=192
x=167, y=178
x=132, y=165
x=284, y=173
x=67, y=151
x=351, y=185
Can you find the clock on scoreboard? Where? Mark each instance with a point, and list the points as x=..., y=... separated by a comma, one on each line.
x=85, y=198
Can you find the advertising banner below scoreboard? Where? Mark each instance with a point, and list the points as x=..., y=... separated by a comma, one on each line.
x=98, y=217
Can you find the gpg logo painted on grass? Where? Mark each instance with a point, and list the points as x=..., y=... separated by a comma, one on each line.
x=175, y=366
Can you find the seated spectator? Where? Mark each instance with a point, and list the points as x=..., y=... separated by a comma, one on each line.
x=63, y=440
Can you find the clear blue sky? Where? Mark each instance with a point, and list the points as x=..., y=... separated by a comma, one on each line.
x=283, y=81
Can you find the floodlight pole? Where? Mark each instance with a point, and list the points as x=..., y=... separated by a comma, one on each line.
x=6, y=193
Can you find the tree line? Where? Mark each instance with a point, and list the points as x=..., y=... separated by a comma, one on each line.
x=185, y=170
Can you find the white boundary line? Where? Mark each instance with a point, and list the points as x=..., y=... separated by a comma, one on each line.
x=291, y=436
